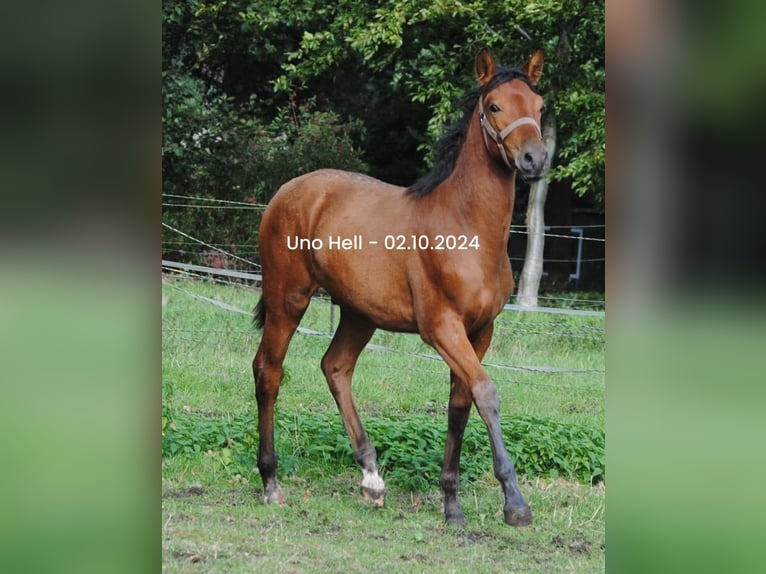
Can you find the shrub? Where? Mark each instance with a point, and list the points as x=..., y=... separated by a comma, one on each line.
x=410, y=448
x=213, y=149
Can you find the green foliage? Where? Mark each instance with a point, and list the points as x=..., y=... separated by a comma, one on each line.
x=235, y=157
x=230, y=66
x=410, y=448
x=225, y=133
x=430, y=47
x=580, y=117
x=205, y=141
x=301, y=139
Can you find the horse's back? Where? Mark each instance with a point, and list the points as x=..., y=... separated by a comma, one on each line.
x=333, y=182
x=331, y=200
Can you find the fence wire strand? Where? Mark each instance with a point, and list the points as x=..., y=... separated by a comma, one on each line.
x=212, y=200
x=383, y=348
x=254, y=264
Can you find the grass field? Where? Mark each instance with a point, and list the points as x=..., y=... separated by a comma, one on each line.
x=213, y=517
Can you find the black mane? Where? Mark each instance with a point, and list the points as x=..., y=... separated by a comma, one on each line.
x=449, y=146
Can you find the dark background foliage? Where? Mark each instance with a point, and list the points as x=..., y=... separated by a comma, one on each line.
x=255, y=93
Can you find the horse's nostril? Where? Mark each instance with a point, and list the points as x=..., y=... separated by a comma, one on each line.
x=528, y=160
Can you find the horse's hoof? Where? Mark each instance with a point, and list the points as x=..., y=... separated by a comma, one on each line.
x=374, y=496
x=457, y=520
x=453, y=514
x=518, y=515
x=274, y=496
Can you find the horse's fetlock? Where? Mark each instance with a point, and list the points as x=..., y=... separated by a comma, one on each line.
x=367, y=457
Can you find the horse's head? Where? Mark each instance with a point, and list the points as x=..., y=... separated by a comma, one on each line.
x=509, y=112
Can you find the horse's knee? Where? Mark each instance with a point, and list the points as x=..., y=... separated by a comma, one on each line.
x=449, y=481
x=267, y=381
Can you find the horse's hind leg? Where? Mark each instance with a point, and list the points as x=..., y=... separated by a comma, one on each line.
x=280, y=321
x=460, y=402
x=338, y=363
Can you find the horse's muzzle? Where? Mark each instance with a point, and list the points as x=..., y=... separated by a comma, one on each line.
x=533, y=164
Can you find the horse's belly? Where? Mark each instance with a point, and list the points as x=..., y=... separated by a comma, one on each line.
x=384, y=312
x=376, y=289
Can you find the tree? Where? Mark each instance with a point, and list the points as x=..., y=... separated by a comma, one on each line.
x=430, y=46
x=531, y=273
x=585, y=169
x=224, y=135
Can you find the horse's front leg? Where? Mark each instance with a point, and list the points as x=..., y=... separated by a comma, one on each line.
x=448, y=337
x=516, y=510
x=459, y=410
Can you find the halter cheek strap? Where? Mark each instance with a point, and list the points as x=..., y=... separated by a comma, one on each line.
x=499, y=137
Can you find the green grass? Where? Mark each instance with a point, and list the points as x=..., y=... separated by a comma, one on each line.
x=210, y=350
x=213, y=519
x=223, y=527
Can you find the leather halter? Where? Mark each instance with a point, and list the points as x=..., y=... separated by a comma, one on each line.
x=499, y=137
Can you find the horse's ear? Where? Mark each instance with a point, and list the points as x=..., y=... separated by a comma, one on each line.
x=485, y=66
x=534, y=67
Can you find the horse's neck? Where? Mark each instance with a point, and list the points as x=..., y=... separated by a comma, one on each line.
x=482, y=188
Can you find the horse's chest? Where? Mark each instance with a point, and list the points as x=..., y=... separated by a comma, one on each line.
x=480, y=296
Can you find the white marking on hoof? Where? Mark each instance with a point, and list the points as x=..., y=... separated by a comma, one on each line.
x=373, y=489
x=373, y=481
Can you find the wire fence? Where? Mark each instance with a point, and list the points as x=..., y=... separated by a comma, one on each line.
x=211, y=246
x=182, y=245
x=594, y=333
x=200, y=271
x=223, y=257
x=218, y=256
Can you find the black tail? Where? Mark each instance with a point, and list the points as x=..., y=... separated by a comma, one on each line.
x=259, y=317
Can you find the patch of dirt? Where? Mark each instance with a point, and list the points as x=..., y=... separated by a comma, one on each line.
x=572, y=408
x=192, y=557
x=579, y=545
x=576, y=545
x=415, y=558
x=465, y=538
x=473, y=537
x=191, y=491
x=331, y=529
x=380, y=537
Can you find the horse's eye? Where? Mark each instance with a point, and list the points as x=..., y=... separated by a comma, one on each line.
x=542, y=109
x=493, y=108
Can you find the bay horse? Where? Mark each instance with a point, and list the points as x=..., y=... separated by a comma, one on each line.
x=429, y=259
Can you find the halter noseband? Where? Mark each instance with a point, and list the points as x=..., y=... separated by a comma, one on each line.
x=499, y=138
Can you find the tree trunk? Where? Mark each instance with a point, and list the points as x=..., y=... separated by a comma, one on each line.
x=529, y=282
